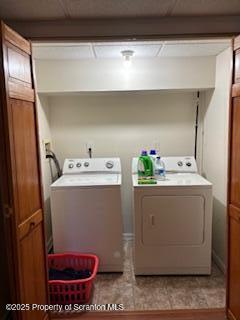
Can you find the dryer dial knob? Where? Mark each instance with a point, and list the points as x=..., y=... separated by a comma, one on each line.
x=78, y=165
x=109, y=164
x=180, y=163
x=188, y=164
x=70, y=166
x=86, y=164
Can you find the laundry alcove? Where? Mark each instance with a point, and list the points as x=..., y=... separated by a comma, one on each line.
x=120, y=111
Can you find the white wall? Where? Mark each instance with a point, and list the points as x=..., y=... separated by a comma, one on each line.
x=215, y=149
x=45, y=135
x=122, y=124
x=110, y=75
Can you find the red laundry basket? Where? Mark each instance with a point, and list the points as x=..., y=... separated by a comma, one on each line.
x=72, y=291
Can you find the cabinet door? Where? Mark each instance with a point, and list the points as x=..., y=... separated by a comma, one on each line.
x=233, y=297
x=20, y=179
x=234, y=263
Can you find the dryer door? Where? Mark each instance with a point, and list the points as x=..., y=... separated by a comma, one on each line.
x=173, y=220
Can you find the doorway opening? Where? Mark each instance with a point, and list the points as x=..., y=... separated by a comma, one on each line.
x=87, y=95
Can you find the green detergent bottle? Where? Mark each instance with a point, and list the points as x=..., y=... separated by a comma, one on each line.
x=145, y=169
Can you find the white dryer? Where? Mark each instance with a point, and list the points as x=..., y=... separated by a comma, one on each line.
x=86, y=210
x=173, y=221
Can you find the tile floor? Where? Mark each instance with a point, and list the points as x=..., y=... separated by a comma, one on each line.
x=159, y=292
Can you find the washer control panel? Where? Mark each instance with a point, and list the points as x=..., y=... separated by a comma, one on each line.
x=180, y=164
x=94, y=165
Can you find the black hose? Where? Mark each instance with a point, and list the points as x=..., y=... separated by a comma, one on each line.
x=51, y=155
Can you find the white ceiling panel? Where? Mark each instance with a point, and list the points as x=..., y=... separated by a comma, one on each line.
x=117, y=8
x=192, y=49
x=144, y=49
x=62, y=52
x=31, y=9
x=206, y=7
x=141, y=50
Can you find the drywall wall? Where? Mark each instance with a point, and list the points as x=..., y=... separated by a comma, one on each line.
x=47, y=173
x=121, y=125
x=215, y=150
x=110, y=75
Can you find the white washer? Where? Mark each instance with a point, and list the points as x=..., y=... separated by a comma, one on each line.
x=86, y=210
x=173, y=221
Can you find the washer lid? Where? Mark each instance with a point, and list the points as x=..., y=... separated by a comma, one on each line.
x=177, y=180
x=88, y=180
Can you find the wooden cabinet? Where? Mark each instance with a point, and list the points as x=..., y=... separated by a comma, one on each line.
x=233, y=299
x=20, y=179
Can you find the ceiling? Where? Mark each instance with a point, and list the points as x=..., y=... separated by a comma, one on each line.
x=78, y=9
x=144, y=49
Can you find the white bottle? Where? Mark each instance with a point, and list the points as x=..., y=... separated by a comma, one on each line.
x=159, y=169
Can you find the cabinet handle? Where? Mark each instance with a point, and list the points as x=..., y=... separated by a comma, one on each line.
x=152, y=217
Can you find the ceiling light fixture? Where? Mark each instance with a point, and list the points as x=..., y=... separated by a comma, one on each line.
x=127, y=55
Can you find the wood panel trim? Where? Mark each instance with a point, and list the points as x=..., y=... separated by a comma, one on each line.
x=10, y=46
x=15, y=39
x=237, y=43
x=234, y=212
x=29, y=224
x=20, y=92
x=201, y=314
x=236, y=90
x=230, y=315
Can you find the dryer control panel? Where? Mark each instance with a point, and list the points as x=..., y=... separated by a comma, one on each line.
x=180, y=164
x=94, y=165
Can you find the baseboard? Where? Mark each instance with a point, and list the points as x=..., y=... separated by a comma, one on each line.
x=49, y=244
x=199, y=314
x=219, y=262
x=127, y=236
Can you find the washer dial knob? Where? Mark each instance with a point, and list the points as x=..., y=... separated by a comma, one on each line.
x=86, y=164
x=109, y=164
x=188, y=164
x=70, y=166
x=78, y=165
